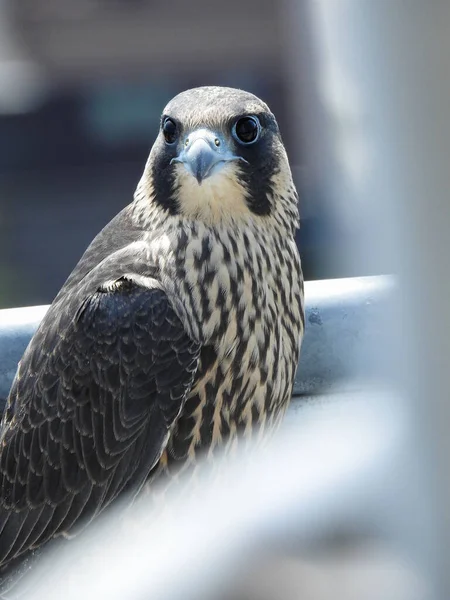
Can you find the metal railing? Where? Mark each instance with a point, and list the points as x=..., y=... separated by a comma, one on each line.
x=343, y=332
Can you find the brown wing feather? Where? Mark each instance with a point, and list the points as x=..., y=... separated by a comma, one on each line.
x=89, y=411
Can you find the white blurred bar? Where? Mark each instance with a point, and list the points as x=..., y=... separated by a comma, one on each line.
x=377, y=121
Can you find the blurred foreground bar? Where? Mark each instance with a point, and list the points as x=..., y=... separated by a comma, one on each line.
x=317, y=513
x=344, y=331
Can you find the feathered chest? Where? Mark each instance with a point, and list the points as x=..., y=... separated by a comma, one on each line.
x=241, y=295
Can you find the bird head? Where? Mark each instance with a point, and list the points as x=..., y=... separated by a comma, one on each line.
x=218, y=156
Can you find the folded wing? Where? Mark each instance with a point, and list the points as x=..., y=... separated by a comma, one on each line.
x=90, y=411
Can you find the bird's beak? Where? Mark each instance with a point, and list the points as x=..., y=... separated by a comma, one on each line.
x=203, y=150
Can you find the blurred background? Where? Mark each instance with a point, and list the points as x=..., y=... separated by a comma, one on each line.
x=82, y=87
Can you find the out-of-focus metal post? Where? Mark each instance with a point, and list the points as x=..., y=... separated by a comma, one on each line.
x=378, y=145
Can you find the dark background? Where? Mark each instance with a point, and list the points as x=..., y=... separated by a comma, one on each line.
x=82, y=86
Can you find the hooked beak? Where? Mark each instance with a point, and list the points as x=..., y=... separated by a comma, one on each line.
x=203, y=150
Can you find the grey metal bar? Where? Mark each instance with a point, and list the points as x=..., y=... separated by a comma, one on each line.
x=343, y=333
x=345, y=330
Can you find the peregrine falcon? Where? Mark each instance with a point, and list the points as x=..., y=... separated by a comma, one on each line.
x=178, y=330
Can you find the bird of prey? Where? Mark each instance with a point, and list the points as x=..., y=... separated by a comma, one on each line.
x=179, y=328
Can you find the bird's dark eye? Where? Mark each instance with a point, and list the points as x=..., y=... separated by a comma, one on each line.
x=169, y=130
x=246, y=130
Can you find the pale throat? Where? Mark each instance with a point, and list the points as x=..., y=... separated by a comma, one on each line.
x=220, y=198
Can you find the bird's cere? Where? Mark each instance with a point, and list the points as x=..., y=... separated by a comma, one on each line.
x=177, y=333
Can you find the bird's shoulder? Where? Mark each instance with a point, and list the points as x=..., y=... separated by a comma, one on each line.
x=118, y=246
